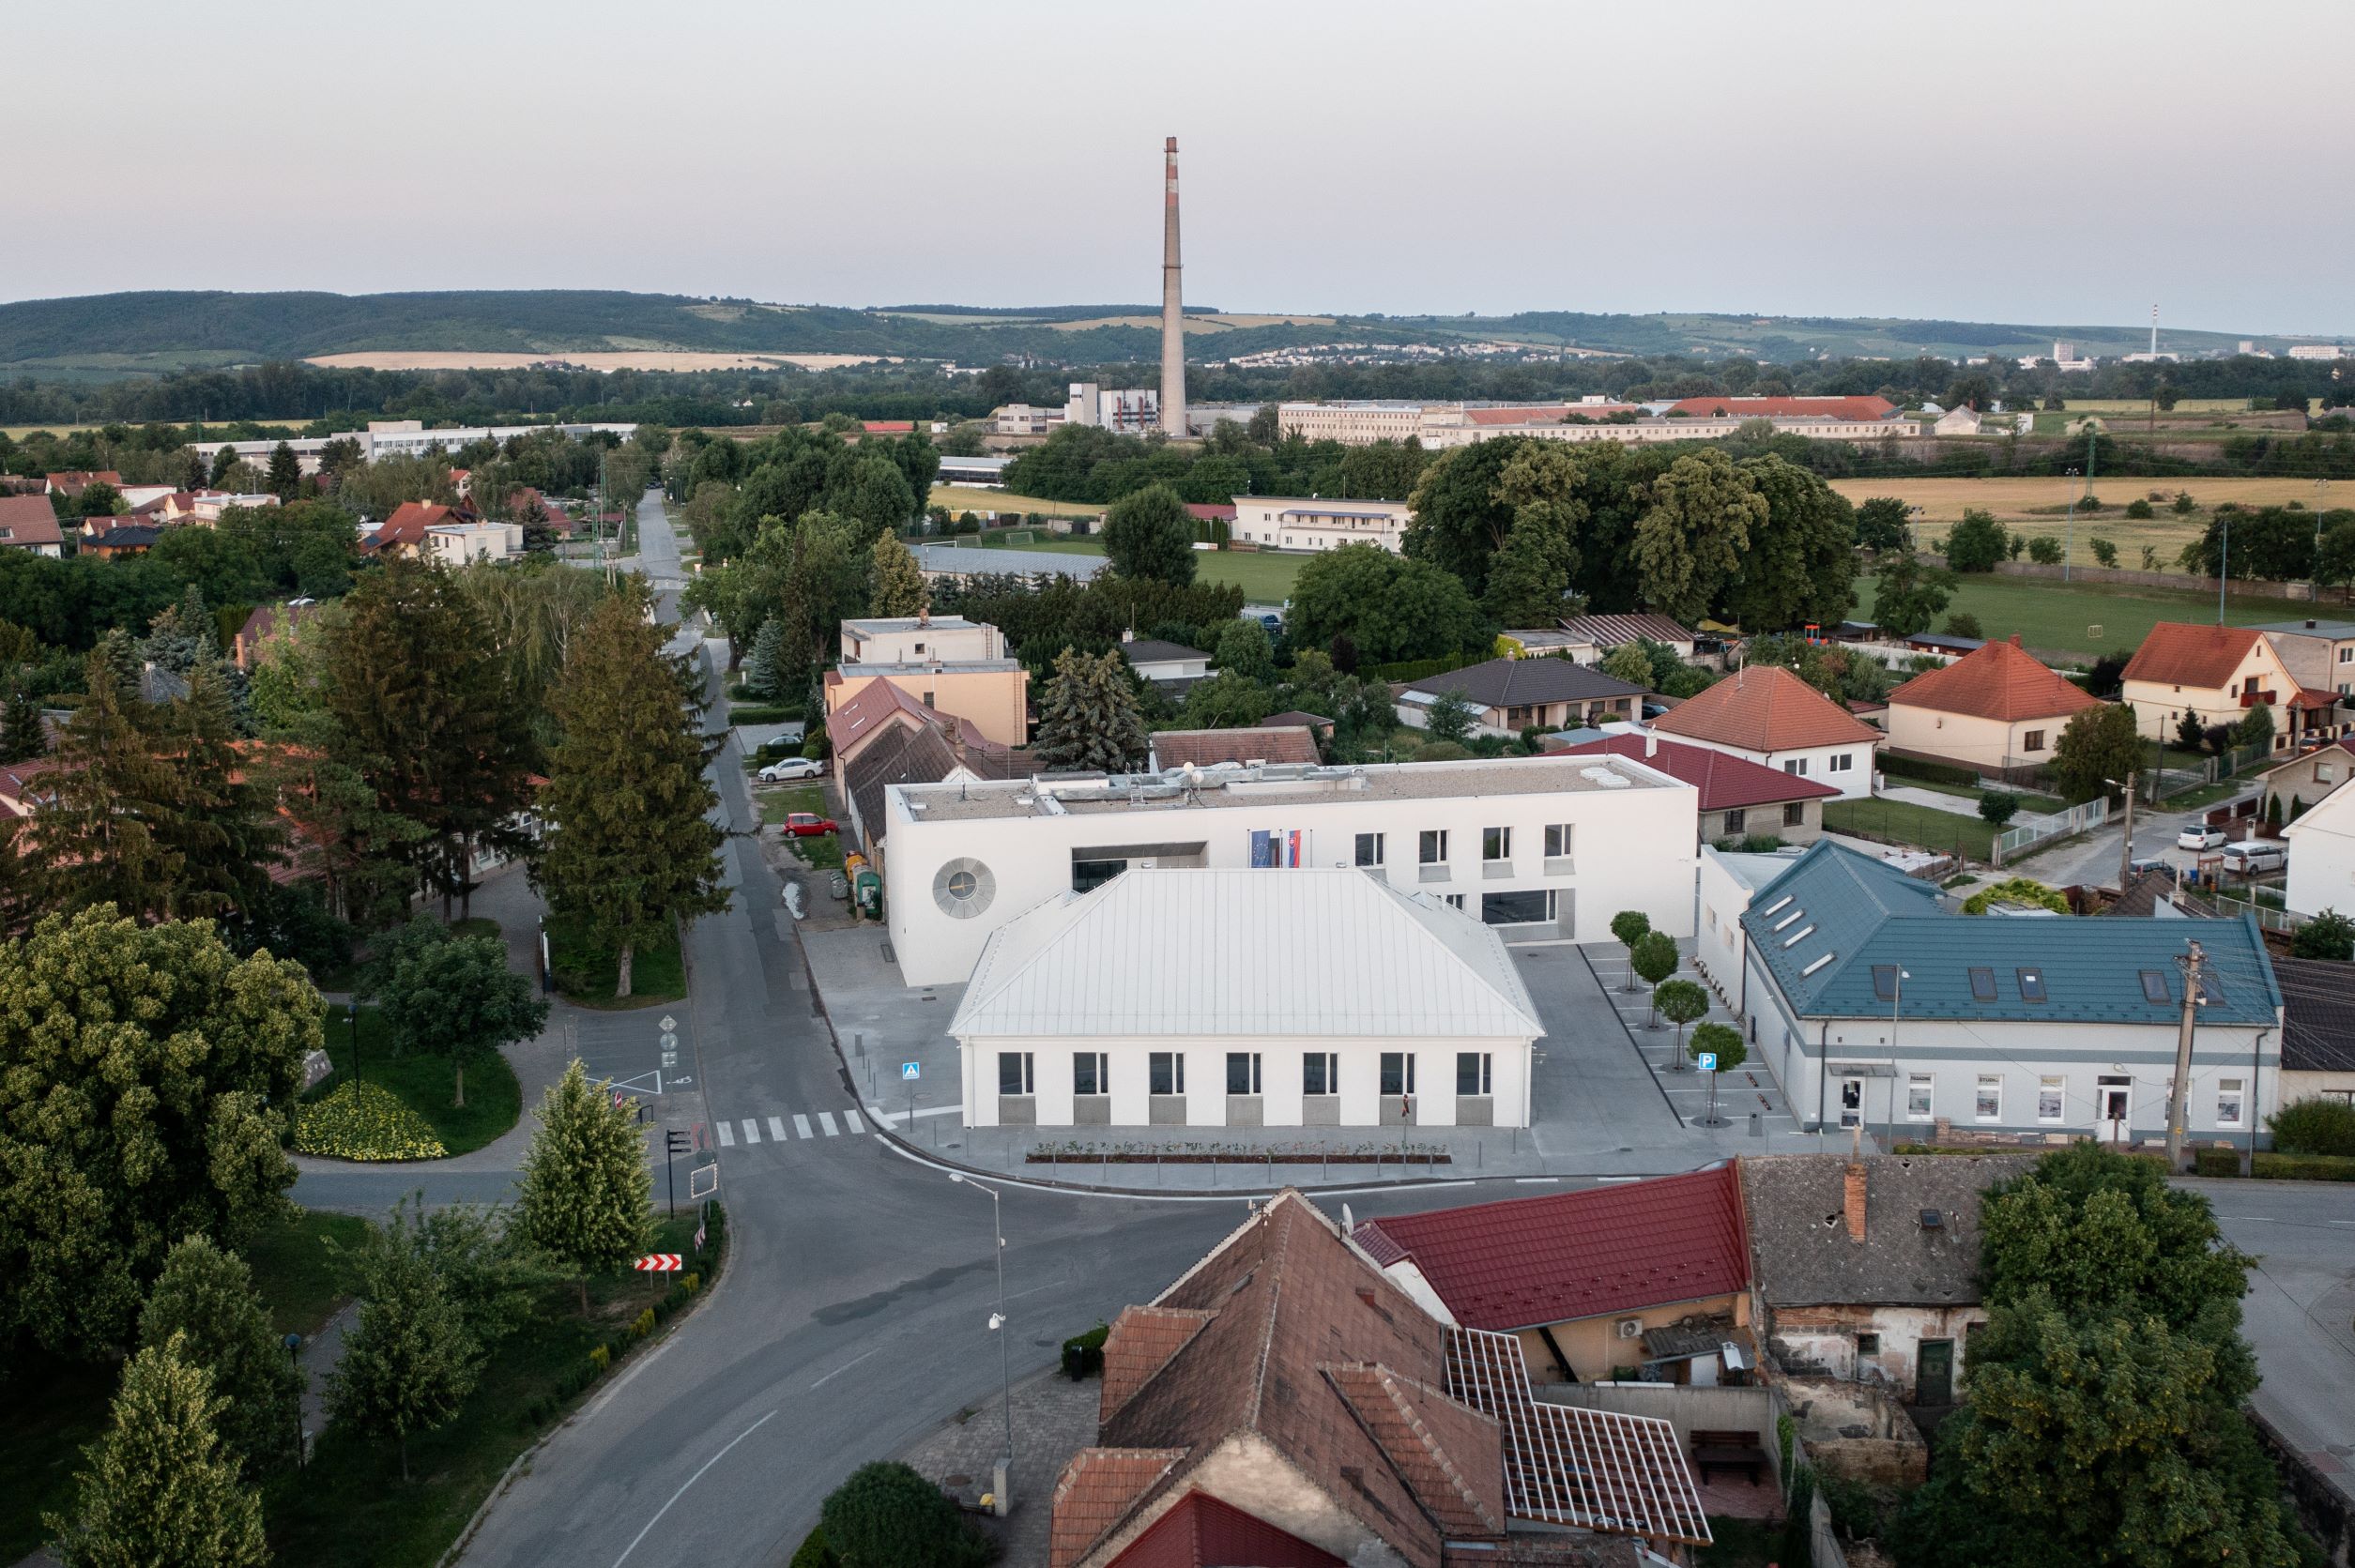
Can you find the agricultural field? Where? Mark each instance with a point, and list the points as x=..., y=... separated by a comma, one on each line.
x=649, y=358
x=2088, y=620
x=1265, y=577
x=975, y=499
x=2040, y=506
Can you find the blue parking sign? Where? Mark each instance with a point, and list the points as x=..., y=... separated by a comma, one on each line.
x=911, y=1070
x=1706, y=1061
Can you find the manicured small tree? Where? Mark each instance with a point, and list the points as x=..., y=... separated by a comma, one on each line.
x=1630, y=926
x=1450, y=718
x=2256, y=729
x=886, y=1515
x=205, y=1296
x=2189, y=730
x=1721, y=1040
x=1656, y=958
x=2045, y=550
x=408, y=1361
x=1681, y=1002
x=1998, y=807
x=2329, y=934
x=2273, y=812
x=587, y=1195
x=456, y=996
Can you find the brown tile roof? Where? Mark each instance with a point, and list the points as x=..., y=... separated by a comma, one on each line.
x=1097, y=1490
x=1451, y=1457
x=2181, y=653
x=1726, y=782
x=1142, y=1340
x=868, y=711
x=27, y=521
x=1764, y=708
x=1866, y=407
x=904, y=755
x=1996, y=680
x=407, y=526
x=1205, y=748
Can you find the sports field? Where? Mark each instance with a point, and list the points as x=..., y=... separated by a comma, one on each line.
x=1266, y=578
x=2090, y=619
x=972, y=498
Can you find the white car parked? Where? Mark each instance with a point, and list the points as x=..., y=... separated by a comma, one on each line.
x=2199, y=835
x=2250, y=856
x=793, y=768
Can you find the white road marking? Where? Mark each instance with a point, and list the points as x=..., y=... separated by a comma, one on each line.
x=752, y=1131
x=843, y=1368
x=728, y=1138
x=850, y=1120
x=826, y=1120
x=777, y=1128
x=800, y=1126
x=666, y=1508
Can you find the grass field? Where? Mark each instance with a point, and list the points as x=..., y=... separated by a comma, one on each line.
x=2089, y=619
x=425, y=1082
x=1266, y=577
x=587, y=974
x=1903, y=822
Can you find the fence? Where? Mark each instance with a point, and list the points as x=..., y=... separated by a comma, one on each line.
x=2163, y=783
x=2268, y=918
x=2076, y=819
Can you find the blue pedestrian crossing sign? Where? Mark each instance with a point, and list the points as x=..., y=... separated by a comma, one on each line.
x=911, y=1070
x=1706, y=1061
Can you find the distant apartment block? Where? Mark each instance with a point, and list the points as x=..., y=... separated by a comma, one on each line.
x=1310, y=523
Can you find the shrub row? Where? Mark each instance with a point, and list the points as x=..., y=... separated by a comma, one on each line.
x=600, y=1358
x=1083, y=1354
x=2306, y=1167
x=364, y=1121
x=762, y=713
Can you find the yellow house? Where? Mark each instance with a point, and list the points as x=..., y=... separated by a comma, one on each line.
x=2220, y=673
x=1993, y=709
x=948, y=664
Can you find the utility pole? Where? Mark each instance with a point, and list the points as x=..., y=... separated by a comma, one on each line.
x=2069, y=551
x=2126, y=850
x=2179, y=1100
x=2224, y=564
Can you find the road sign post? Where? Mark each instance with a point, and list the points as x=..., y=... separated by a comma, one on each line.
x=1706, y=1061
x=908, y=1073
x=703, y=1181
x=675, y=1141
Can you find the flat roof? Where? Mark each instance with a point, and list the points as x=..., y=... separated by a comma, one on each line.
x=1095, y=795
x=2331, y=629
x=929, y=667
x=877, y=625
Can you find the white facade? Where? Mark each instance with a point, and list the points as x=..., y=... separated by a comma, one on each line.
x=1847, y=768
x=965, y=859
x=1307, y=523
x=2322, y=856
x=397, y=438
x=1128, y=410
x=457, y=544
x=918, y=640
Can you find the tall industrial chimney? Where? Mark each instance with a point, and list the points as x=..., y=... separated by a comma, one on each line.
x=1173, y=310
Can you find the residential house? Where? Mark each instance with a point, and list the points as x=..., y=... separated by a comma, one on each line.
x=1165, y=664
x=2317, y=1028
x=2220, y=673
x=457, y=542
x=2321, y=841
x=1877, y=1008
x=30, y=523
x=881, y=737
x=1739, y=799
x=1649, y=1279
x=1997, y=707
x=1256, y=746
x=1509, y=695
x=949, y=665
x=71, y=483
x=120, y=537
x=23, y=786
x=136, y=497
x=1285, y=1404
x=1769, y=715
x=1546, y=848
x=2292, y=786
x=2319, y=654
x=1314, y=523
x=1317, y=724
x=404, y=532
x=1957, y=422
x=1212, y=512
x=1867, y=1268
x=266, y=622
x=1189, y=996
x=957, y=563
x=211, y=504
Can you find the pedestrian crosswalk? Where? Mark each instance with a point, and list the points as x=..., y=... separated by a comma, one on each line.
x=749, y=1132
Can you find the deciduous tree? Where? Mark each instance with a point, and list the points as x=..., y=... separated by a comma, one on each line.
x=454, y=996
x=1884, y=522
x=1655, y=958
x=1389, y=607
x=1630, y=926
x=586, y=1193
x=896, y=586
x=1149, y=533
x=1977, y=542
x=409, y=1361
x=2097, y=744
x=205, y=1299
x=1450, y=717
x=1908, y=592
x=1688, y=545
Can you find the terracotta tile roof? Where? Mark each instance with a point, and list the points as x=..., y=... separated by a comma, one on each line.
x=1869, y=407
x=1726, y=782
x=1533, y=1260
x=1996, y=680
x=1200, y=1531
x=1427, y=1438
x=1210, y=512
x=27, y=521
x=73, y=482
x=867, y=711
x=1142, y=1340
x=2181, y=653
x=1205, y=748
x=888, y=427
x=410, y=521
x=1098, y=1489
x=1764, y=708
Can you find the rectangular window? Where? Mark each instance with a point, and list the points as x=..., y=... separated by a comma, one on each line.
x=1842, y=763
x=1529, y=908
x=1497, y=843
x=1557, y=839
x=1796, y=765
x=2323, y=772
x=1014, y=1072
x=1884, y=982
x=1278, y=848
x=1431, y=847
x=2032, y=741
x=1370, y=849
x=1795, y=814
x=1917, y=1089
x=1090, y=1073
x=2052, y=1095
x=1168, y=1071
x=2031, y=986
x=1982, y=985
x=2154, y=986
x=1321, y=1073
x=1734, y=820
x=1087, y=876
x=1243, y=1073
x=1989, y=1104
x=2228, y=1101
x=1474, y=1072
x=1868, y=1345
x=1398, y=1072
x=1455, y=900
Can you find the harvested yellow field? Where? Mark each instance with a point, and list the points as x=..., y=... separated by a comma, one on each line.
x=629, y=359
x=961, y=497
x=2034, y=506
x=1194, y=324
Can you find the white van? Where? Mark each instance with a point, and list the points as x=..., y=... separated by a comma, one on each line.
x=2251, y=856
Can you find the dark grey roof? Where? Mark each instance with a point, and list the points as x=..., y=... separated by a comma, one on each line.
x=1800, y=1253
x=1153, y=650
x=1515, y=682
x=912, y=753
x=2318, y=1014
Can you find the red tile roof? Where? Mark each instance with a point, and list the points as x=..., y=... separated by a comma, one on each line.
x=1996, y=680
x=1205, y=748
x=1098, y=1489
x=1764, y=708
x=1726, y=782
x=1533, y=1260
x=1200, y=1531
x=74, y=481
x=2181, y=653
x=409, y=523
x=866, y=711
x=1206, y=512
x=28, y=521
x=888, y=427
x=1874, y=407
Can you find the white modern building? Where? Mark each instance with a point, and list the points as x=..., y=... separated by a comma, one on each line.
x=457, y=544
x=398, y=438
x=1545, y=849
x=1131, y=410
x=1202, y=998
x=1312, y=523
x=2321, y=846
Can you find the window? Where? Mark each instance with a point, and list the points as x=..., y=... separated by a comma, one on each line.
x=1841, y=763
x=2228, y=1101
x=1522, y=908
x=1868, y=1345
x=1884, y=982
x=2031, y=986
x=2032, y=741
x=2154, y=986
x=1474, y=1072
x=2346, y=656
x=1090, y=1073
x=1087, y=876
x=1370, y=849
x=1988, y=1107
x=1455, y=900
x=1321, y=1073
x=2051, y=1095
x=1167, y=1069
x=1497, y=843
x=1734, y=820
x=1014, y=1072
x=1917, y=1090
x=1431, y=847
x=1795, y=814
x=1796, y=765
x=2322, y=772
x=1982, y=985
x=1557, y=839
x=1278, y=848
x=1398, y=1072
x=1243, y=1073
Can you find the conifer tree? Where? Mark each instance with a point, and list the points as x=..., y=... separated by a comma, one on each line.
x=587, y=1195
x=205, y=1296
x=21, y=738
x=285, y=473
x=222, y=826
x=194, y=476
x=764, y=672
x=896, y=586
x=160, y=1487
x=1089, y=719
x=109, y=832
x=225, y=459
x=633, y=851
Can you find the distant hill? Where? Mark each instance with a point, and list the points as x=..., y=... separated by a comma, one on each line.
x=115, y=333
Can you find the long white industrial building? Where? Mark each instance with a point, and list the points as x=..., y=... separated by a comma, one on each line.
x=398, y=438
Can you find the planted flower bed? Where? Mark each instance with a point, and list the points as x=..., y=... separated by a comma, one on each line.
x=1240, y=1154
x=363, y=1121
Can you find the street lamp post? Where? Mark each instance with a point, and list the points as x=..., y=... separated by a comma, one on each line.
x=351, y=1020
x=998, y=1324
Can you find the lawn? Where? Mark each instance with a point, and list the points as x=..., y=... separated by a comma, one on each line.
x=1902, y=822
x=424, y=1081
x=2028, y=802
x=1265, y=576
x=776, y=803
x=2088, y=620
x=586, y=973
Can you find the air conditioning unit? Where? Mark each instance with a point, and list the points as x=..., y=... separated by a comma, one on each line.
x=1631, y=1328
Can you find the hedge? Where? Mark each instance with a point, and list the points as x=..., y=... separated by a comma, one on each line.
x=2215, y=1162
x=2306, y=1167
x=763, y=713
x=1083, y=1354
x=1899, y=766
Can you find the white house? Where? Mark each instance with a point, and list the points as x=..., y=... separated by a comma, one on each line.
x=1957, y=422
x=1769, y=715
x=1159, y=661
x=457, y=544
x=1546, y=848
x=1314, y=523
x=2220, y=673
x=2322, y=855
x=1225, y=998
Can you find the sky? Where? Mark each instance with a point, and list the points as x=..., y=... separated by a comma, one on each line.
x=2067, y=161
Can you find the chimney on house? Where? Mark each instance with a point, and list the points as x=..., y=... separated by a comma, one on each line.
x=1651, y=745
x=2015, y=639
x=1855, y=1204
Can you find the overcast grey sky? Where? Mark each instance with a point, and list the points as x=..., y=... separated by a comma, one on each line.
x=2034, y=163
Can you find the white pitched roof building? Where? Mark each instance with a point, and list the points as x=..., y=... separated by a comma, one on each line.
x=1222, y=997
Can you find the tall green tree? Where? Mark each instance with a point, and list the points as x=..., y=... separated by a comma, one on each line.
x=285, y=472
x=765, y=675
x=1908, y=593
x=895, y=585
x=588, y=1196
x=454, y=996
x=160, y=1487
x=408, y=1360
x=632, y=851
x=1389, y=607
x=1884, y=522
x=109, y=833
x=1690, y=545
x=1977, y=542
x=205, y=1296
x=1148, y=533
x=1531, y=573
x=1089, y=719
x=1799, y=564
x=2097, y=744
x=21, y=736
x=149, y=1075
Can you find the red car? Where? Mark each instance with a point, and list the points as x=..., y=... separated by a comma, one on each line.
x=808, y=825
